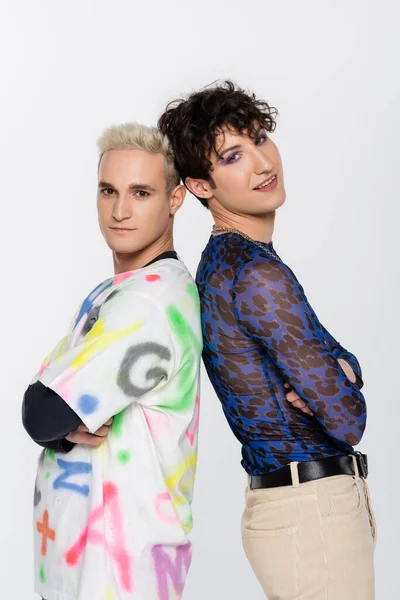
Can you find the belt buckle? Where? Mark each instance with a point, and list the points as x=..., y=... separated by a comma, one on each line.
x=362, y=464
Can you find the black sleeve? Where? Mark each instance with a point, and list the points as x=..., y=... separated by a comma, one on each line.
x=47, y=418
x=62, y=445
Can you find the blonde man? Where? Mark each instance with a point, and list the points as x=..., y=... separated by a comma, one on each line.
x=115, y=405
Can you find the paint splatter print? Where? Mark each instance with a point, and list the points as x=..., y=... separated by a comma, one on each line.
x=112, y=522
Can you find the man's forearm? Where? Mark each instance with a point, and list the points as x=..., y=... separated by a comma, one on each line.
x=46, y=416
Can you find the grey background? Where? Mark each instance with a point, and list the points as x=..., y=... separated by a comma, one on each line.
x=70, y=69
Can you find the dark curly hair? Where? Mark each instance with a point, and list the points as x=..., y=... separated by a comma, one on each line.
x=192, y=125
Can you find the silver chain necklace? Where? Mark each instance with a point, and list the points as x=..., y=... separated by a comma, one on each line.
x=215, y=230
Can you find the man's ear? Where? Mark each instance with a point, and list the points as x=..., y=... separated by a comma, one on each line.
x=199, y=187
x=176, y=199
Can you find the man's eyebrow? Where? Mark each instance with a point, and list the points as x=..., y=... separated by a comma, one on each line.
x=104, y=184
x=141, y=186
x=221, y=153
x=132, y=187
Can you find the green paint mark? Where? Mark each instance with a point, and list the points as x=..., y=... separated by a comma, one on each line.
x=183, y=331
x=48, y=475
x=51, y=455
x=190, y=345
x=116, y=429
x=124, y=456
x=42, y=574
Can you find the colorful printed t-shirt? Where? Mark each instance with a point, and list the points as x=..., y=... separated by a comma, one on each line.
x=111, y=523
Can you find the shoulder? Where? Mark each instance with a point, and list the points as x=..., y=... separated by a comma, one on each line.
x=231, y=249
x=222, y=258
x=266, y=283
x=160, y=283
x=259, y=271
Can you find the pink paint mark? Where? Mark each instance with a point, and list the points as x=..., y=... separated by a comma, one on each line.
x=157, y=422
x=63, y=391
x=121, y=277
x=163, y=498
x=176, y=570
x=117, y=550
x=191, y=435
x=152, y=277
x=43, y=368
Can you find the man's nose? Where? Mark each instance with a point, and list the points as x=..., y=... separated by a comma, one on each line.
x=122, y=209
x=262, y=163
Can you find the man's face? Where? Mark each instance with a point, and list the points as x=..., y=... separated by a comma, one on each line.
x=248, y=174
x=133, y=207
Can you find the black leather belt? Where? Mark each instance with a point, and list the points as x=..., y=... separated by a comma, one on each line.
x=312, y=470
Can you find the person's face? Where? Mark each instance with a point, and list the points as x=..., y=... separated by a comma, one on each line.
x=134, y=209
x=247, y=174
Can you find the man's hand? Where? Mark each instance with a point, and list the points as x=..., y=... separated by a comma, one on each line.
x=296, y=401
x=82, y=435
x=348, y=371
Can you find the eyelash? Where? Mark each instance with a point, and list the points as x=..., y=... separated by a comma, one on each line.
x=261, y=138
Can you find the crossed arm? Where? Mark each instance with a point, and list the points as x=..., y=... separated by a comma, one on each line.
x=52, y=424
x=271, y=307
x=53, y=412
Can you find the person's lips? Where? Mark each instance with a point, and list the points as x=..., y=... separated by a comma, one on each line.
x=268, y=184
x=121, y=229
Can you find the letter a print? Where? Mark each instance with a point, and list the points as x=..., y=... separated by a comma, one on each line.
x=117, y=549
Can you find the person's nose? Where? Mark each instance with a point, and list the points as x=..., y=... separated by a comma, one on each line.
x=262, y=163
x=122, y=209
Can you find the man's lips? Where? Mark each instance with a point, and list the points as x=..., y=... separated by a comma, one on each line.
x=121, y=229
x=268, y=184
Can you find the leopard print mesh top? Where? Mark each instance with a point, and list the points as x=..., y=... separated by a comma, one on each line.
x=259, y=333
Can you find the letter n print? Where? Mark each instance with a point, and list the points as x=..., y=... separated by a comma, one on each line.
x=171, y=563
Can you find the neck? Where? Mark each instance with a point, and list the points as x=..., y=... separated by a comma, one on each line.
x=258, y=228
x=130, y=262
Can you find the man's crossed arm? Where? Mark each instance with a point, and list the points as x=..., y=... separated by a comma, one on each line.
x=53, y=424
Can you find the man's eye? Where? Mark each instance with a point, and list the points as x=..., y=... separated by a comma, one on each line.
x=107, y=191
x=262, y=138
x=142, y=194
x=232, y=158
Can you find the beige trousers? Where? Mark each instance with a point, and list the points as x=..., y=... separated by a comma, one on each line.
x=313, y=541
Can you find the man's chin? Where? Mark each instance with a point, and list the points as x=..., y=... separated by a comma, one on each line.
x=276, y=201
x=128, y=251
x=125, y=248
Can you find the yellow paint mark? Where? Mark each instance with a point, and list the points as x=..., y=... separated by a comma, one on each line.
x=183, y=499
x=184, y=303
x=172, y=480
x=61, y=348
x=109, y=595
x=91, y=347
x=97, y=330
x=56, y=354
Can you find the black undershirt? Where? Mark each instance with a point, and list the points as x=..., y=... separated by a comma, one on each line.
x=45, y=415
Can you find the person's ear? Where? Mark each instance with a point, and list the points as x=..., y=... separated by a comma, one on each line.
x=176, y=199
x=199, y=187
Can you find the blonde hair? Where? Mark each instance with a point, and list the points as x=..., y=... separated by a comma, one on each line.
x=132, y=136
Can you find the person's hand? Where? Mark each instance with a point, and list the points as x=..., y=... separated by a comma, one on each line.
x=296, y=401
x=348, y=371
x=83, y=436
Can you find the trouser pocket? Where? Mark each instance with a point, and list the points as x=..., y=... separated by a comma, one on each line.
x=371, y=515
